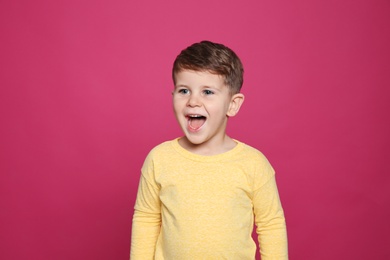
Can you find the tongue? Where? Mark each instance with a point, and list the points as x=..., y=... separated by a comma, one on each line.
x=196, y=123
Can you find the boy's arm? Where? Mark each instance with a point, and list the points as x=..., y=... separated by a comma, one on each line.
x=146, y=220
x=270, y=222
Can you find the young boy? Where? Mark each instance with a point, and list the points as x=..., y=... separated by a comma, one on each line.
x=200, y=194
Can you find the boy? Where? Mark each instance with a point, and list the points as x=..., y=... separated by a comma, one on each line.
x=200, y=194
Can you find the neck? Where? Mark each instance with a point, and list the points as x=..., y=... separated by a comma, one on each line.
x=207, y=149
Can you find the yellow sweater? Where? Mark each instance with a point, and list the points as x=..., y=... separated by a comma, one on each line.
x=194, y=207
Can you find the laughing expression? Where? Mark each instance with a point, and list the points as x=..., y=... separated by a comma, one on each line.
x=202, y=104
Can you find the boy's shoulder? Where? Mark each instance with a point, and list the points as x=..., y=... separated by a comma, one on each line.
x=252, y=153
x=256, y=165
x=162, y=149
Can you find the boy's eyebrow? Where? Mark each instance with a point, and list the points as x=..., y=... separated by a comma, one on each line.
x=180, y=85
x=215, y=87
x=203, y=86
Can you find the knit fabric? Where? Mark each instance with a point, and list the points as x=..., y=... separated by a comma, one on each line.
x=191, y=206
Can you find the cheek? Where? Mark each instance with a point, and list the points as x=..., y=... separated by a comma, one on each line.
x=220, y=108
x=217, y=112
x=177, y=106
x=175, y=102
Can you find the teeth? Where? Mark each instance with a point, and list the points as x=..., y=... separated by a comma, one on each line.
x=195, y=116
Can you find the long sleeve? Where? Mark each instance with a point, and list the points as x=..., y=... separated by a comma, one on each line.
x=270, y=222
x=146, y=218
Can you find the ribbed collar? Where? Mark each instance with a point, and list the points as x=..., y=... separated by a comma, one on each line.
x=229, y=155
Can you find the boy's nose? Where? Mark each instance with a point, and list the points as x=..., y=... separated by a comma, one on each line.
x=193, y=101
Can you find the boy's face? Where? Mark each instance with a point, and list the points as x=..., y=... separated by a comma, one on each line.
x=202, y=104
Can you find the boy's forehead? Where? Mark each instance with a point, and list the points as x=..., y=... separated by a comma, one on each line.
x=198, y=76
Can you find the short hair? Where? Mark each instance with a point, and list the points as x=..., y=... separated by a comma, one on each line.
x=214, y=58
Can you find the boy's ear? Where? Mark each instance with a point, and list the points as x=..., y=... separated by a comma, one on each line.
x=235, y=104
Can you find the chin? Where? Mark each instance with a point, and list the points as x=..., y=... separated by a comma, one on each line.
x=194, y=140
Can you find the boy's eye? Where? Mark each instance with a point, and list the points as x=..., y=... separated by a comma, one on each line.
x=208, y=92
x=183, y=91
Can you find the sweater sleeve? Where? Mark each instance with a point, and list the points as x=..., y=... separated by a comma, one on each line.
x=147, y=216
x=270, y=221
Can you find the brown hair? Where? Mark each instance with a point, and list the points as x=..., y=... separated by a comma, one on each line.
x=214, y=58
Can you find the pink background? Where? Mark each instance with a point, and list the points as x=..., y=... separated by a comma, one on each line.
x=85, y=94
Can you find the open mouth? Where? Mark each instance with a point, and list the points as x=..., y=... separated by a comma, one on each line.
x=195, y=122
